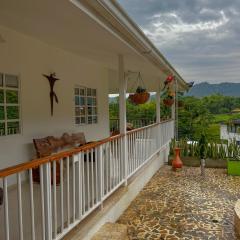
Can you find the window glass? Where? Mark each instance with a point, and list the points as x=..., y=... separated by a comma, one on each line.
x=89, y=120
x=77, y=120
x=89, y=101
x=9, y=105
x=77, y=102
x=2, y=128
x=11, y=81
x=94, y=120
x=1, y=96
x=83, y=120
x=94, y=92
x=12, y=96
x=13, y=128
x=2, y=114
x=85, y=99
x=89, y=92
x=82, y=91
x=12, y=112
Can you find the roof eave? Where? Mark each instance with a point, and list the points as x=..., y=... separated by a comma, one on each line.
x=116, y=20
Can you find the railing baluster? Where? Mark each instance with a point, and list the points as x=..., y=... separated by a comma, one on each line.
x=88, y=182
x=54, y=200
x=101, y=173
x=80, y=166
x=6, y=216
x=42, y=201
x=83, y=183
x=47, y=200
x=68, y=193
x=96, y=174
x=73, y=188
x=119, y=162
x=20, y=222
x=106, y=165
x=62, y=194
x=32, y=204
x=92, y=178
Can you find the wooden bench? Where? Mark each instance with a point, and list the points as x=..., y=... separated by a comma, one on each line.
x=50, y=145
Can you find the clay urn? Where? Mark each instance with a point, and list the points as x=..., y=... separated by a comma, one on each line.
x=177, y=162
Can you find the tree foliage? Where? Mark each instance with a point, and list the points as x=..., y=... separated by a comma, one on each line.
x=197, y=116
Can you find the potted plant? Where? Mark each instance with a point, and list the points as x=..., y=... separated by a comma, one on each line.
x=141, y=95
x=168, y=101
x=168, y=92
x=233, y=166
x=168, y=98
x=233, y=161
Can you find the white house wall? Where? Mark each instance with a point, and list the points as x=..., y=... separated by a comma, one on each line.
x=29, y=59
x=230, y=136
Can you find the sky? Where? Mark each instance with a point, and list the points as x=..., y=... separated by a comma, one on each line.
x=200, y=38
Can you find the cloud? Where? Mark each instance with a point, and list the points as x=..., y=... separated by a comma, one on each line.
x=199, y=37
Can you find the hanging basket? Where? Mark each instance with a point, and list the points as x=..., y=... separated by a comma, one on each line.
x=141, y=95
x=168, y=102
x=139, y=98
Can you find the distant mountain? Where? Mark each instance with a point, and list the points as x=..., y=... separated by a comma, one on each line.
x=206, y=89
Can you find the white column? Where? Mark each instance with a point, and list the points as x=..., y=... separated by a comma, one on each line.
x=123, y=114
x=47, y=200
x=174, y=106
x=158, y=111
x=158, y=115
x=122, y=96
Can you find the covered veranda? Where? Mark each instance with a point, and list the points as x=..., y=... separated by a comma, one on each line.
x=88, y=44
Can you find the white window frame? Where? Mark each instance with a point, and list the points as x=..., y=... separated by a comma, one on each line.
x=86, y=106
x=5, y=105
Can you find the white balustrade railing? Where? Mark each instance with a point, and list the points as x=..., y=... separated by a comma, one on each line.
x=74, y=183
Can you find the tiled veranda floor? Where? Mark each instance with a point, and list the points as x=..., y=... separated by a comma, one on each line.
x=183, y=205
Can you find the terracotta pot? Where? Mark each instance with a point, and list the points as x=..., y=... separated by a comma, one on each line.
x=139, y=98
x=168, y=102
x=177, y=162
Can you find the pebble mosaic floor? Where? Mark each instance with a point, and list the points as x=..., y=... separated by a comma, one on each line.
x=184, y=205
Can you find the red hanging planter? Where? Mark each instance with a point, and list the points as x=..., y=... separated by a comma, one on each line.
x=141, y=95
x=139, y=98
x=168, y=102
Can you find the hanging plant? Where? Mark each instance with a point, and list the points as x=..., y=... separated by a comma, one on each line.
x=168, y=93
x=168, y=101
x=141, y=95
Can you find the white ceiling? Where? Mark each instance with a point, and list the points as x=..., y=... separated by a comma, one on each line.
x=62, y=24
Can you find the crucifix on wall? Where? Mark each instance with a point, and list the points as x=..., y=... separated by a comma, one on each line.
x=52, y=79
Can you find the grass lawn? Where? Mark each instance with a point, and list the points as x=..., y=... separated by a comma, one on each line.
x=218, y=118
x=213, y=132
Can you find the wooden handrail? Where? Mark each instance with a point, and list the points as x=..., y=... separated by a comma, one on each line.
x=148, y=126
x=56, y=157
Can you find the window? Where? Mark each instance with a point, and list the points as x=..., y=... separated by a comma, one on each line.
x=9, y=105
x=85, y=105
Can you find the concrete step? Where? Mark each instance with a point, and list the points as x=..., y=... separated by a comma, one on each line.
x=112, y=231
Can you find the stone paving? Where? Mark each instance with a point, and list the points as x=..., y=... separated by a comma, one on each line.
x=183, y=205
